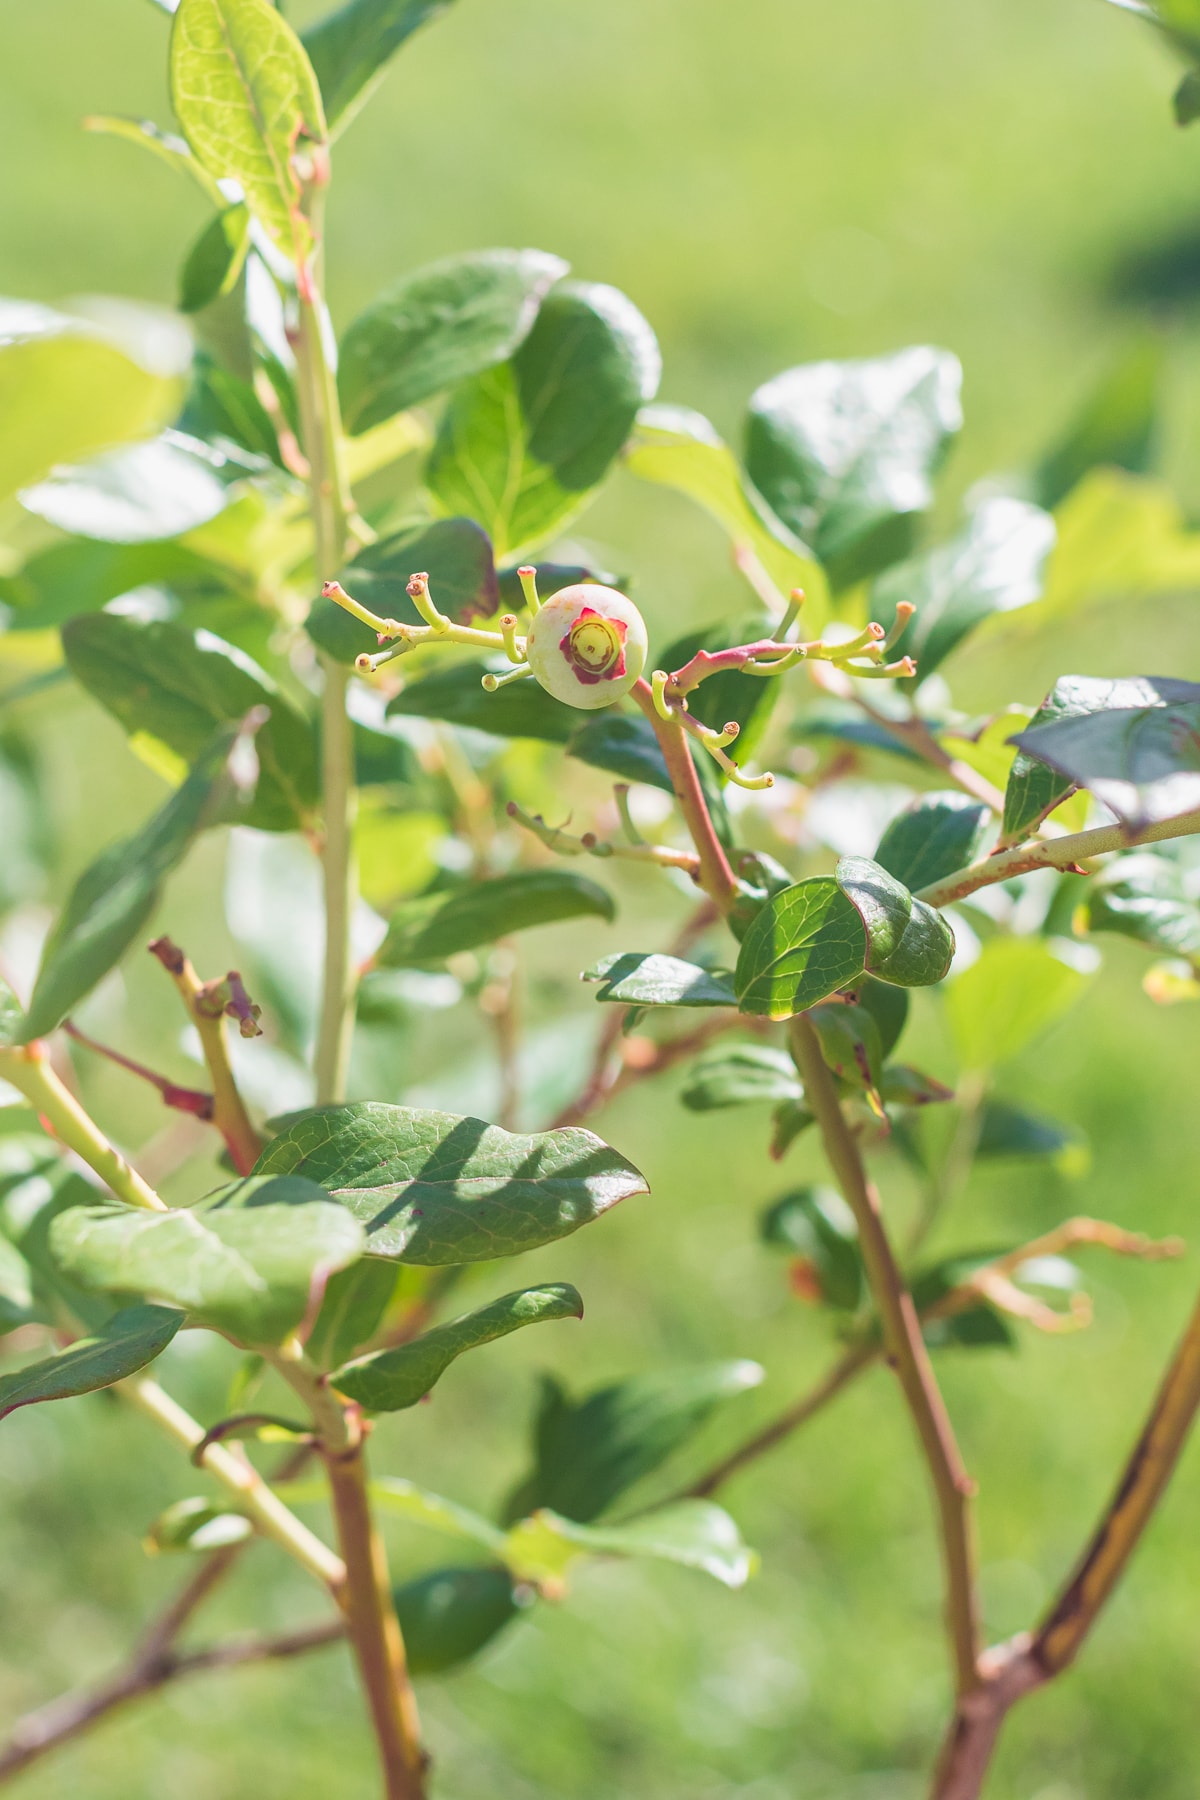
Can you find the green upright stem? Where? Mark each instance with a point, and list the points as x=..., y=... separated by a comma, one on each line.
x=28, y=1070
x=906, y=1352
x=321, y=428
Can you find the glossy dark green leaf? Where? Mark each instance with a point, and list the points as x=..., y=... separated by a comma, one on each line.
x=844, y=453
x=215, y=260
x=133, y=495
x=449, y=1615
x=351, y=1311
x=350, y=48
x=124, y=1344
x=623, y=745
x=1034, y=787
x=114, y=898
x=650, y=978
x=523, y=445
x=695, y=1533
x=243, y=1260
x=889, y=1007
x=816, y=1223
x=454, y=553
x=391, y=1380
x=738, y=1074
x=1006, y=1130
x=456, y=695
x=552, y=576
x=908, y=942
x=1142, y=761
x=590, y=1451
x=434, y=1188
x=843, y=723
x=1143, y=897
x=802, y=945
x=850, y=1042
x=995, y=565
x=439, y=326
x=441, y=925
x=1115, y=426
x=166, y=682
x=246, y=97
x=934, y=836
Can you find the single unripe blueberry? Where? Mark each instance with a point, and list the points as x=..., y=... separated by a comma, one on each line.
x=587, y=645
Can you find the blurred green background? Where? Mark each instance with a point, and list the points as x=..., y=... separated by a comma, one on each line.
x=771, y=182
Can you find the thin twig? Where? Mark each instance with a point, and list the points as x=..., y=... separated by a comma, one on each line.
x=27, y=1068
x=906, y=1351
x=911, y=734
x=1067, y=852
x=715, y=875
x=207, y=1014
x=179, y=1099
x=850, y=1364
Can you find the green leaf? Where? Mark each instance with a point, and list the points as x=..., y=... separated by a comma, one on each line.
x=82, y=576
x=590, y=1451
x=889, y=1007
x=844, y=453
x=1034, y=789
x=69, y=389
x=197, y=1524
x=1015, y=990
x=901, y=1085
x=350, y=49
x=737, y=1074
x=16, y=1288
x=352, y=1310
x=11, y=1016
x=164, y=682
x=433, y=1188
x=633, y=978
x=622, y=745
x=678, y=448
x=995, y=565
x=124, y=1344
x=1010, y=1131
x=391, y=1380
x=850, y=1043
x=244, y=1260
x=1142, y=761
x=816, y=1224
x=439, y=326
x=802, y=945
x=935, y=835
x=29, y=1204
x=440, y=925
x=1186, y=105
x=246, y=96
x=979, y=1327
x=789, y=1119
x=1143, y=897
x=908, y=942
x=449, y=1615
x=692, y=1532
x=454, y=553
x=1120, y=536
x=134, y=495
x=113, y=899
x=1115, y=426
x=169, y=149
x=214, y=262
x=522, y=446
x=523, y=710
x=395, y=1495
x=1178, y=20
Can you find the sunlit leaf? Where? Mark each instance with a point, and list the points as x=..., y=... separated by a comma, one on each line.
x=441, y=925
x=243, y=1260
x=1142, y=761
x=214, y=262
x=439, y=326
x=124, y=1344
x=737, y=1075
x=145, y=492
x=434, y=1188
x=693, y=1532
x=1014, y=992
x=633, y=978
x=350, y=48
x=391, y=1380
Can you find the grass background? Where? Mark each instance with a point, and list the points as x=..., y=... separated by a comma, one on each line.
x=772, y=182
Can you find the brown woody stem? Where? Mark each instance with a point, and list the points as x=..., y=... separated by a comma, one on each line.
x=715, y=875
x=906, y=1352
